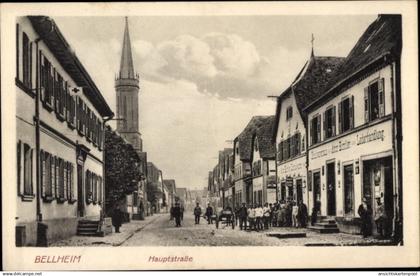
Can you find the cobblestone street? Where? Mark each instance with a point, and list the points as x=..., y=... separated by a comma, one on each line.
x=162, y=232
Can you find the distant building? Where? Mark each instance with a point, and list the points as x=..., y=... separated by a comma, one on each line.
x=59, y=116
x=171, y=186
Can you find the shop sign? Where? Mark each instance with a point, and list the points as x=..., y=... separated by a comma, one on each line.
x=271, y=182
x=291, y=167
x=361, y=138
x=289, y=181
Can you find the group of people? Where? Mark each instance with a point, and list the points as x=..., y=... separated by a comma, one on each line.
x=285, y=213
x=380, y=219
x=208, y=214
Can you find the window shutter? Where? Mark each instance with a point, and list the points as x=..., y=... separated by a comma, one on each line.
x=319, y=128
x=381, y=98
x=100, y=190
x=311, y=132
x=54, y=87
x=42, y=76
x=30, y=183
x=65, y=183
x=17, y=50
x=30, y=65
x=298, y=145
x=366, y=97
x=19, y=167
x=351, y=115
x=340, y=118
x=71, y=181
x=43, y=172
x=333, y=121
x=88, y=186
x=324, y=129
x=52, y=176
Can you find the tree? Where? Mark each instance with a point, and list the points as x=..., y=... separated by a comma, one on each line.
x=122, y=168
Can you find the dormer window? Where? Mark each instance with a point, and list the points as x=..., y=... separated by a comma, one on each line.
x=289, y=113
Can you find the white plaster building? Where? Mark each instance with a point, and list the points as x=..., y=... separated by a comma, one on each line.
x=355, y=132
x=59, y=116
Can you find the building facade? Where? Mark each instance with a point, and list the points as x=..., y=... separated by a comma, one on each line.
x=354, y=142
x=60, y=136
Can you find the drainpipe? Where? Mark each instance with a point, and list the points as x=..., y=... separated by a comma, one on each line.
x=37, y=122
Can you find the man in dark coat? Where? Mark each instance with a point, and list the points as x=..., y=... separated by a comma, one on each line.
x=177, y=215
x=242, y=215
x=197, y=213
x=302, y=214
x=209, y=213
x=365, y=214
x=117, y=217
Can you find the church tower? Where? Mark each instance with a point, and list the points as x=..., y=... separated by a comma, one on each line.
x=127, y=88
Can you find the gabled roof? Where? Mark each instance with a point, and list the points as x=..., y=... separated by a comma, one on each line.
x=60, y=48
x=262, y=126
x=380, y=40
x=312, y=83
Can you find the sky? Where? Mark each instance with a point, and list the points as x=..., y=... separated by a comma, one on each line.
x=202, y=78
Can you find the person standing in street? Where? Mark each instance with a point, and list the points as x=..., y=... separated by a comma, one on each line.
x=117, y=217
x=295, y=210
x=182, y=211
x=251, y=217
x=177, y=215
x=266, y=215
x=242, y=215
x=259, y=217
x=171, y=212
x=209, y=214
x=197, y=213
x=380, y=218
x=302, y=214
x=365, y=214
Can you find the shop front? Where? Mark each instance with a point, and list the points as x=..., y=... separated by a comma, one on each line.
x=344, y=171
x=292, y=179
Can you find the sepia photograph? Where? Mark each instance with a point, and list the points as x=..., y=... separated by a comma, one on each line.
x=178, y=131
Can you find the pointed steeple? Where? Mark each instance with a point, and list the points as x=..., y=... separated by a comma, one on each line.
x=312, y=42
x=126, y=65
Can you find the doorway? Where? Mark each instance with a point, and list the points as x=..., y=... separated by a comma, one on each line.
x=299, y=190
x=378, y=184
x=331, y=204
x=317, y=191
x=80, y=201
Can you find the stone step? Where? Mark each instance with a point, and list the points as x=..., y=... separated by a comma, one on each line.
x=330, y=221
x=323, y=230
x=326, y=225
x=287, y=235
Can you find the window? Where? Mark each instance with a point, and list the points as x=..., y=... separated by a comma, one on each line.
x=71, y=110
x=88, y=187
x=60, y=95
x=346, y=114
x=47, y=83
x=70, y=182
x=289, y=113
x=303, y=144
x=27, y=170
x=61, y=181
x=94, y=188
x=315, y=130
x=374, y=100
x=26, y=61
x=329, y=122
x=25, y=188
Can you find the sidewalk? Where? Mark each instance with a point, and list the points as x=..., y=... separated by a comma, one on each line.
x=114, y=239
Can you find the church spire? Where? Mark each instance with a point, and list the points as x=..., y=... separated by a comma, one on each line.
x=126, y=65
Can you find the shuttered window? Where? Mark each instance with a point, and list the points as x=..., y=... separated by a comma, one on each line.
x=280, y=152
x=374, y=100
x=47, y=83
x=26, y=61
x=27, y=170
